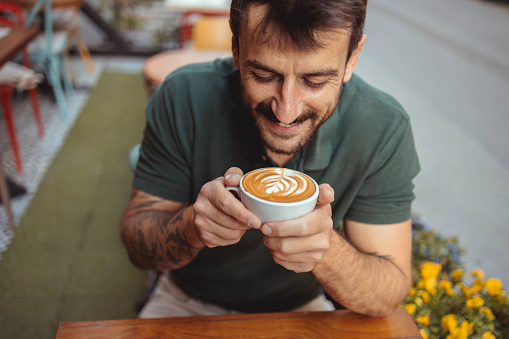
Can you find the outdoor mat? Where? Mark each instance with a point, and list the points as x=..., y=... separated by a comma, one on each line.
x=66, y=261
x=36, y=153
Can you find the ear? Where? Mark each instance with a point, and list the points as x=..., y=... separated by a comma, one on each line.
x=235, y=52
x=352, y=62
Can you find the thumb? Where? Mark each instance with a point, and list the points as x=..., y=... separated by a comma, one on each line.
x=325, y=195
x=232, y=176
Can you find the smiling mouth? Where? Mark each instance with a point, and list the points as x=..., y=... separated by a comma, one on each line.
x=295, y=123
x=265, y=110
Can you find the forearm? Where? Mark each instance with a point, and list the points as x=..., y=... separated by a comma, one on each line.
x=364, y=283
x=158, y=237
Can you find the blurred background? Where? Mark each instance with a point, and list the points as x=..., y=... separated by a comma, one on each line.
x=446, y=61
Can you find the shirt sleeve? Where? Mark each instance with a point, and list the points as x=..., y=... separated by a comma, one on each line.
x=386, y=195
x=165, y=154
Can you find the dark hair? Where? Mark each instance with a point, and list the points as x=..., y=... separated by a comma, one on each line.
x=300, y=19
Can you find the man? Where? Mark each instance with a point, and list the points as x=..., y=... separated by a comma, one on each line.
x=287, y=98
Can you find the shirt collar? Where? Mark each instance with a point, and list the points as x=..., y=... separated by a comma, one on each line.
x=318, y=152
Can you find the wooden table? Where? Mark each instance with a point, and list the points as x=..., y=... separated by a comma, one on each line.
x=157, y=67
x=54, y=3
x=13, y=43
x=336, y=324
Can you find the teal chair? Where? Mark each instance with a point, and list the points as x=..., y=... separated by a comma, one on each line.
x=49, y=49
x=134, y=155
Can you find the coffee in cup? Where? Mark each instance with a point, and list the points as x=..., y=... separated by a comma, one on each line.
x=279, y=184
x=276, y=193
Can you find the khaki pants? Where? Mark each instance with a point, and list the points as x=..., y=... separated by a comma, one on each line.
x=168, y=300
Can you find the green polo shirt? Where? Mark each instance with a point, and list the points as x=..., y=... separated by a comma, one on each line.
x=197, y=128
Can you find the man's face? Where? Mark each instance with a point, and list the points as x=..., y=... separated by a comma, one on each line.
x=288, y=92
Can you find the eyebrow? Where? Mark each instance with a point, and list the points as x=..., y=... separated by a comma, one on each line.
x=325, y=72
x=256, y=65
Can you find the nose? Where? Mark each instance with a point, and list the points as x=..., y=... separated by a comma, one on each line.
x=286, y=105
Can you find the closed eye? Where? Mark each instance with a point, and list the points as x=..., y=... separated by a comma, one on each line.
x=315, y=85
x=263, y=79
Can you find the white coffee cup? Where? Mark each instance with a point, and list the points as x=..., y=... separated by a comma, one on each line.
x=268, y=210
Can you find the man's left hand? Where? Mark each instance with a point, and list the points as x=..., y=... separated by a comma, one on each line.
x=299, y=244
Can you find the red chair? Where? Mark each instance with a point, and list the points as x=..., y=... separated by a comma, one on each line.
x=14, y=76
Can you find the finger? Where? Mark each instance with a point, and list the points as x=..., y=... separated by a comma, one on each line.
x=297, y=267
x=232, y=176
x=213, y=235
x=211, y=240
x=312, y=223
x=296, y=245
x=226, y=203
x=210, y=216
x=208, y=210
x=311, y=257
x=325, y=196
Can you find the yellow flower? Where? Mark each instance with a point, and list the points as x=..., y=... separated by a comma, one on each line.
x=412, y=292
x=445, y=284
x=478, y=286
x=466, y=290
x=424, y=296
x=457, y=275
x=420, y=284
x=418, y=301
x=469, y=326
x=423, y=319
x=487, y=335
x=430, y=285
x=494, y=286
x=449, y=322
x=465, y=328
x=461, y=332
x=477, y=273
x=424, y=335
x=429, y=273
x=410, y=308
x=430, y=270
x=475, y=302
x=488, y=312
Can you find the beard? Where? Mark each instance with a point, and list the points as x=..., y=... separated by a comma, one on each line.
x=285, y=143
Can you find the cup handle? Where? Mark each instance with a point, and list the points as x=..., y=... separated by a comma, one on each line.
x=235, y=191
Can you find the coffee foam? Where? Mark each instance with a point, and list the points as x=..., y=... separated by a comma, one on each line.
x=279, y=185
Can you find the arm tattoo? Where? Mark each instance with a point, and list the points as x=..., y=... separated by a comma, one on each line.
x=157, y=239
x=375, y=254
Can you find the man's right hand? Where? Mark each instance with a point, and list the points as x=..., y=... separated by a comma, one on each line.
x=220, y=218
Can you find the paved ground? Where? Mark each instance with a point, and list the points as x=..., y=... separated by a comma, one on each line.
x=448, y=63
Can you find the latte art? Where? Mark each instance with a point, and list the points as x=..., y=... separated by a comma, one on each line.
x=279, y=185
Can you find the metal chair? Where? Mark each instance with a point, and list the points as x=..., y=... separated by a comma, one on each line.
x=67, y=19
x=14, y=76
x=50, y=50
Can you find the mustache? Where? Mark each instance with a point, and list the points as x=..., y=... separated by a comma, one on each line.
x=265, y=109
